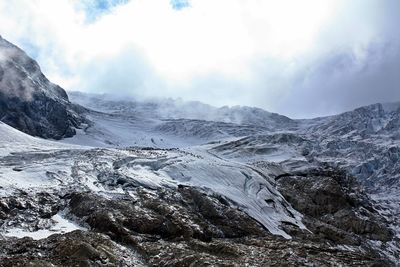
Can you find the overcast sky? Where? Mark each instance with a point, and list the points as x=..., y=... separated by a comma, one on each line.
x=298, y=58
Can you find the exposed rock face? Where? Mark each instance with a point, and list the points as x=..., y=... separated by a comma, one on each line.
x=72, y=249
x=176, y=215
x=29, y=101
x=171, y=227
x=187, y=227
x=336, y=209
x=33, y=211
x=365, y=142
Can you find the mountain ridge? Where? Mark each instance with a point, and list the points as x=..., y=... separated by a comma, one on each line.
x=29, y=101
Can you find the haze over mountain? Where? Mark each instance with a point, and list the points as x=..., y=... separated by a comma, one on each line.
x=300, y=59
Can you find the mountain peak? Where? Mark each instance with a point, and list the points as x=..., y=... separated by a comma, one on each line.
x=28, y=100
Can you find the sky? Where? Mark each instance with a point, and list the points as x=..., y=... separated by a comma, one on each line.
x=298, y=58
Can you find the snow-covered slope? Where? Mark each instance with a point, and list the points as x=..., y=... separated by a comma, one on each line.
x=168, y=123
x=14, y=141
x=364, y=121
x=33, y=164
x=122, y=130
x=364, y=141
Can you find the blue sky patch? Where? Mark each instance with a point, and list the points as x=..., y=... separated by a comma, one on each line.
x=96, y=8
x=180, y=4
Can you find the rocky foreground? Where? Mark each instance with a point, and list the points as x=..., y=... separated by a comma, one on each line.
x=131, y=224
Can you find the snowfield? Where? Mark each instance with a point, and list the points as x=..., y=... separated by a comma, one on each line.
x=60, y=226
x=34, y=165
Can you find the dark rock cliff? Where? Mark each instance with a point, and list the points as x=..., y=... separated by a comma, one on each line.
x=29, y=102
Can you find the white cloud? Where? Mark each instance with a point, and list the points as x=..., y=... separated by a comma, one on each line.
x=250, y=52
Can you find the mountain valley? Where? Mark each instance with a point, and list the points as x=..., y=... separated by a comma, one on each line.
x=94, y=180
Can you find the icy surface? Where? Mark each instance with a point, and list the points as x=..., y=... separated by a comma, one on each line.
x=35, y=165
x=122, y=131
x=60, y=226
x=12, y=141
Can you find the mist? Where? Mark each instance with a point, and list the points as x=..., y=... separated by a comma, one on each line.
x=302, y=60
x=13, y=81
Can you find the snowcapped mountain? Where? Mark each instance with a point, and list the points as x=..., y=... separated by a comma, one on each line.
x=364, y=141
x=170, y=109
x=364, y=122
x=29, y=101
x=173, y=183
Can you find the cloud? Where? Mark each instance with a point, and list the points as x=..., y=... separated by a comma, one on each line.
x=299, y=58
x=344, y=80
x=14, y=81
x=116, y=74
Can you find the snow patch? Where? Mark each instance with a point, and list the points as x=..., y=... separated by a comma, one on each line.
x=61, y=226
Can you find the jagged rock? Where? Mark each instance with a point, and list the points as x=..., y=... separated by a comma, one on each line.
x=335, y=207
x=182, y=214
x=32, y=211
x=72, y=249
x=29, y=102
x=185, y=227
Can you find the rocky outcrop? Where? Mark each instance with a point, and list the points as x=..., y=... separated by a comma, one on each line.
x=336, y=209
x=173, y=215
x=29, y=102
x=167, y=227
x=72, y=249
x=365, y=142
x=32, y=211
x=187, y=226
